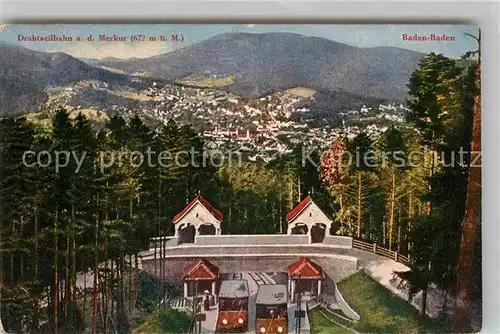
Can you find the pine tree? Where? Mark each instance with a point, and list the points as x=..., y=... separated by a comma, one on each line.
x=462, y=312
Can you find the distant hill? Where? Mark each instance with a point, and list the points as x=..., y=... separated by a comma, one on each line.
x=271, y=62
x=24, y=74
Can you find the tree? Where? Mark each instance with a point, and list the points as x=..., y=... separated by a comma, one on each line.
x=462, y=312
x=362, y=165
x=334, y=172
x=392, y=148
x=431, y=88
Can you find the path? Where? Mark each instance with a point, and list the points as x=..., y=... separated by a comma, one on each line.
x=305, y=326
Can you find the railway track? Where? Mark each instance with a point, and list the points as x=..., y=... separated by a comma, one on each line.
x=259, y=278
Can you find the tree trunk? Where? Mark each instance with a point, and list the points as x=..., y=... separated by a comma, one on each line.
x=84, y=295
x=399, y=235
x=392, y=205
x=73, y=264
x=96, y=269
x=56, y=278
x=463, y=309
x=433, y=162
x=230, y=215
x=94, y=310
x=359, y=206
x=423, y=306
x=106, y=283
x=11, y=256
x=341, y=203
x=122, y=292
x=112, y=311
x=157, y=231
x=444, y=308
x=22, y=253
x=136, y=297
x=130, y=283
x=102, y=282
x=36, y=243
x=299, y=194
x=410, y=216
x=66, y=277
x=281, y=216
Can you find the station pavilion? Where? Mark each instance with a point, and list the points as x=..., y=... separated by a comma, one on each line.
x=307, y=218
x=304, y=277
x=200, y=276
x=199, y=217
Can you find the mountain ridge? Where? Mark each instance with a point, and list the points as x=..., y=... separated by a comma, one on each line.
x=25, y=74
x=275, y=61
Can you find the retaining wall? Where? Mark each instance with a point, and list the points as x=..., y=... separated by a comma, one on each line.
x=251, y=240
x=335, y=268
x=344, y=306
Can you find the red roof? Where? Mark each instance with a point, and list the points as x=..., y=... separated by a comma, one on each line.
x=305, y=269
x=201, y=270
x=206, y=204
x=298, y=209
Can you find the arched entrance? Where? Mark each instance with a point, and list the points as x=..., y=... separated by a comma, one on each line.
x=187, y=234
x=206, y=229
x=299, y=229
x=318, y=232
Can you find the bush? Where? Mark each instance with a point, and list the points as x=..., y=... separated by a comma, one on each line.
x=173, y=321
x=164, y=321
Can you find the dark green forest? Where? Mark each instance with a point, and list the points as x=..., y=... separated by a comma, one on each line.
x=56, y=224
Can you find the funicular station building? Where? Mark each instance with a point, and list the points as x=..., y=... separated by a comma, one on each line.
x=199, y=257
x=200, y=218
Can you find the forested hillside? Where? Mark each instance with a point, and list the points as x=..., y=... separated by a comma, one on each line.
x=57, y=223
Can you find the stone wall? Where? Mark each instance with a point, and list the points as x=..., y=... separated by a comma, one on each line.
x=338, y=241
x=252, y=240
x=335, y=268
x=344, y=306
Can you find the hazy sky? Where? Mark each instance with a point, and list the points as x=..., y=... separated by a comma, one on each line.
x=356, y=35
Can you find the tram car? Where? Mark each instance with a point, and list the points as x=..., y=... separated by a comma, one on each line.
x=272, y=309
x=233, y=306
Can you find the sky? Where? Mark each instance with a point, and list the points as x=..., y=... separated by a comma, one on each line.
x=360, y=35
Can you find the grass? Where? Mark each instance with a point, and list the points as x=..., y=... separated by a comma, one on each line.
x=91, y=114
x=217, y=82
x=112, y=69
x=167, y=321
x=383, y=312
x=145, y=74
x=44, y=119
x=321, y=325
x=200, y=81
x=302, y=91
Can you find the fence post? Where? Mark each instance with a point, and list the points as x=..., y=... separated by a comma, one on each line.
x=396, y=256
x=375, y=248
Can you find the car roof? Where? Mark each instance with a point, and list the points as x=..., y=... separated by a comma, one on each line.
x=272, y=294
x=234, y=289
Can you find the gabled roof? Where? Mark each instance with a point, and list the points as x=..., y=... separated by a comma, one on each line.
x=206, y=204
x=305, y=269
x=301, y=207
x=200, y=270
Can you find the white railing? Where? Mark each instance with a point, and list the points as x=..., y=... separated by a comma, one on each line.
x=252, y=240
x=335, y=240
x=168, y=241
x=344, y=307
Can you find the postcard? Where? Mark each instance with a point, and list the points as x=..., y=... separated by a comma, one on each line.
x=251, y=178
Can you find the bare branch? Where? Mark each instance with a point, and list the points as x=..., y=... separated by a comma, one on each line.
x=476, y=38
